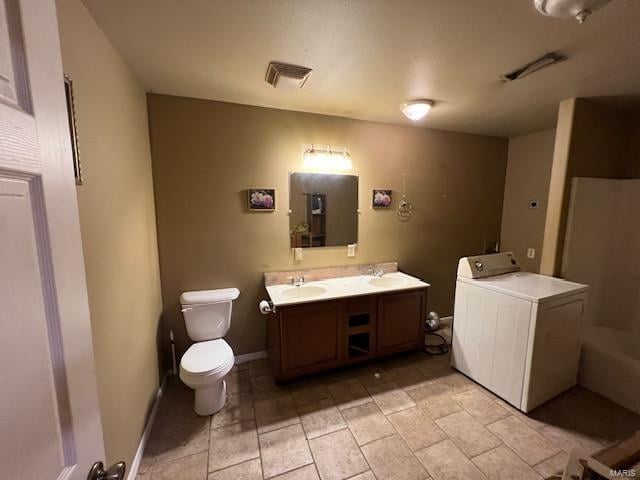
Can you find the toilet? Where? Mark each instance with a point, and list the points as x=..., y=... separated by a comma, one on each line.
x=207, y=316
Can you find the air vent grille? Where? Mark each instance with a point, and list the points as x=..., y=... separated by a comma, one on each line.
x=277, y=71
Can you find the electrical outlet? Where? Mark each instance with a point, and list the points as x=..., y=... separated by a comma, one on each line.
x=531, y=253
x=351, y=250
x=534, y=204
x=297, y=254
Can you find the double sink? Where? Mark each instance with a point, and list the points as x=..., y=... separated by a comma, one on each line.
x=342, y=287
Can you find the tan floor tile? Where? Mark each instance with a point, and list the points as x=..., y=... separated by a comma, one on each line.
x=454, y=382
x=275, y=413
x=553, y=465
x=367, y=423
x=283, y=450
x=349, y=393
x=251, y=470
x=434, y=399
x=265, y=387
x=567, y=439
x=472, y=438
x=321, y=418
x=176, y=405
x=337, y=456
x=310, y=391
x=532, y=447
x=364, y=476
x=193, y=467
x=175, y=440
x=480, y=406
x=238, y=408
x=390, y=397
x=305, y=473
x=144, y=476
x=502, y=464
x=416, y=428
x=432, y=369
x=408, y=377
x=374, y=376
x=445, y=461
x=238, y=381
x=390, y=458
x=233, y=444
x=258, y=368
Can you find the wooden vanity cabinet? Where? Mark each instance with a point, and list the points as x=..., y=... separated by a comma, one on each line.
x=317, y=336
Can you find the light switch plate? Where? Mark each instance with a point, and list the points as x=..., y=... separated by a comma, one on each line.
x=351, y=250
x=297, y=254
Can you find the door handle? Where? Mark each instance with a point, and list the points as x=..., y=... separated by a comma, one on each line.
x=115, y=471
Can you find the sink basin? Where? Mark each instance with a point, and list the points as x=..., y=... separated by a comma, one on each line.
x=387, y=282
x=305, y=291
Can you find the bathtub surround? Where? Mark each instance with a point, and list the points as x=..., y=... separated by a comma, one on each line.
x=601, y=249
x=117, y=220
x=204, y=151
x=592, y=140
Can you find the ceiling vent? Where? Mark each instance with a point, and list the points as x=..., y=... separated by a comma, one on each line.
x=544, y=61
x=287, y=75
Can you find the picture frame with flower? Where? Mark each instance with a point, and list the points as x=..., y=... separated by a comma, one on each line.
x=381, y=198
x=261, y=199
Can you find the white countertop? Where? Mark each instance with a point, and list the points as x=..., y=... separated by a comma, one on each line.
x=341, y=287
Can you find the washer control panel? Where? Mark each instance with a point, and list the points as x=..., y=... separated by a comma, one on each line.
x=482, y=266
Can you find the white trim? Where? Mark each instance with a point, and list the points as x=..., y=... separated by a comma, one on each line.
x=248, y=357
x=135, y=464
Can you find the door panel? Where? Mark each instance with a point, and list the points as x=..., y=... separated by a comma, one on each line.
x=46, y=353
x=311, y=335
x=400, y=321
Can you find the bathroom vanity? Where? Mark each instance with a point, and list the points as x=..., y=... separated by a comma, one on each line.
x=323, y=323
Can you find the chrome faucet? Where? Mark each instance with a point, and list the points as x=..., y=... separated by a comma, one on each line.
x=376, y=271
x=296, y=281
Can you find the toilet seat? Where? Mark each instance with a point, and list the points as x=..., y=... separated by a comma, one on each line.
x=206, y=362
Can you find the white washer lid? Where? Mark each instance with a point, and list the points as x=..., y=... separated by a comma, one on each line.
x=528, y=286
x=202, y=297
x=206, y=357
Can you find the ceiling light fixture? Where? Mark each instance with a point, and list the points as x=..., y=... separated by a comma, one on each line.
x=578, y=9
x=416, y=110
x=327, y=158
x=544, y=61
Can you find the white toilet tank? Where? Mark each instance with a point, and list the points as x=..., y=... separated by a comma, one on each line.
x=207, y=313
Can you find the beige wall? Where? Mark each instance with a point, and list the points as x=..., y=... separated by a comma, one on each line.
x=592, y=140
x=117, y=219
x=206, y=154
x=528, y=176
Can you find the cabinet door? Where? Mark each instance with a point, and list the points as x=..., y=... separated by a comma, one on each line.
x=311, y=336
x=400, y=321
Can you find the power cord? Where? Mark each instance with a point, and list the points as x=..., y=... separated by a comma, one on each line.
x=441, y=348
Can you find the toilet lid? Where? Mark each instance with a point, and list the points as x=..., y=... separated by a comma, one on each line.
x=206, y=357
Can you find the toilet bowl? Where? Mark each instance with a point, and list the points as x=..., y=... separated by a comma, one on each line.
x=203, y=368
x=207, y=316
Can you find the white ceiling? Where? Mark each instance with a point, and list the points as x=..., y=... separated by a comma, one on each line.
x=370, y=55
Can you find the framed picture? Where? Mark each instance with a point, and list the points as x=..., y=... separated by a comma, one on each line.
x=381, y=199
x=261, y=199
x=73, y=129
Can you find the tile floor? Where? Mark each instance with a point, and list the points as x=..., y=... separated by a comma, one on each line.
x=410, y=417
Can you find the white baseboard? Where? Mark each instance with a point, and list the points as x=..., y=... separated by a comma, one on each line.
x=135, y=464
x=249, y=357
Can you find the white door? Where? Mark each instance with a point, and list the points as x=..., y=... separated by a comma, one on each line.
x=49, y=418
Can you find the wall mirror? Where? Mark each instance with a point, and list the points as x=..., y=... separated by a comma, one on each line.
x=324, y=209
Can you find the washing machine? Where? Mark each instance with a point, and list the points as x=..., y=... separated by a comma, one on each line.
x=516, y=333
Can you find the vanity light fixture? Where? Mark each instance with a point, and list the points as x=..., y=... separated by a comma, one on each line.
x=416, y=110
x=327, y=159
